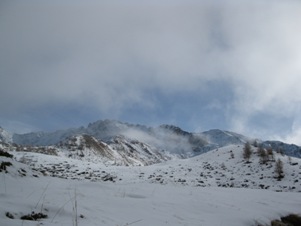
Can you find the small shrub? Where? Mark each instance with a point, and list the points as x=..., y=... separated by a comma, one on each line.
x=3, y=165
x=9, y=215
x=223, y=166
x=292, y=219
x=34, y=216
x=5, y=154
x=277, y=223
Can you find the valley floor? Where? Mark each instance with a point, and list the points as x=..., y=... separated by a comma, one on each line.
x=100, y=203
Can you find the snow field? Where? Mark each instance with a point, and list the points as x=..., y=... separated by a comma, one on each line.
x=224, y=167
x=145, y=204
x=205, y=190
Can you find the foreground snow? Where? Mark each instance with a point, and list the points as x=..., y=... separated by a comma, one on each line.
x=100, y=203
x=216, y=188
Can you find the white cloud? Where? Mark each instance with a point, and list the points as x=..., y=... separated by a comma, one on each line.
x=110, y=55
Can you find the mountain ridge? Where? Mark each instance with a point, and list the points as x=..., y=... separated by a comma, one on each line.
x=167, y=138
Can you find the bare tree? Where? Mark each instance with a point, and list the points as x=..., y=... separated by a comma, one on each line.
x=263, y=156
x=279, y=169
x=232, y=155
x=255, y=144
x=247, y=151
x=270, y=154
x=289, y=158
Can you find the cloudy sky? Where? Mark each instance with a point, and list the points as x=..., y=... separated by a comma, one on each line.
x=200, y=65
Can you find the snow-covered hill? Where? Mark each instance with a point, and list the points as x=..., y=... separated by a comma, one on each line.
x=224, y=167
x=216, y=188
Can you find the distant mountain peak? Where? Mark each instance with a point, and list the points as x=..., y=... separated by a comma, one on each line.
x=223, y=137
x=174, y=129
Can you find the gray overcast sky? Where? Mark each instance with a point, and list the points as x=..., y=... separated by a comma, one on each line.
x=229, y=64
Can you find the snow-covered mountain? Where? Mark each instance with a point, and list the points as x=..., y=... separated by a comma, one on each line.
x=223, y=138
x=288, y=149
x=167, y=139
x=44, y=138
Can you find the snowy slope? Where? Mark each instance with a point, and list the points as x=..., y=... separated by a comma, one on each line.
x=224, y=167
x=119, y=151
x=149, y=195
x=85, y=147
x=135, y=152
